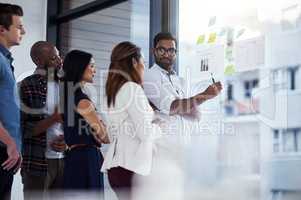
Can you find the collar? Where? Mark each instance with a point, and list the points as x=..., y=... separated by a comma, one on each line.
x=172, y=72
x=40, y=71
x=6, y=52
x=43, y=73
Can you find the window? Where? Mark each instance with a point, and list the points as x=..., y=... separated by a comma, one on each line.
x=276, y=141
x=249, y=85
x=287, y=140
x=298, y=139
x=247, y=89
x=229, y=92
x=292, y=72
x=276, y=195
x=285, y=78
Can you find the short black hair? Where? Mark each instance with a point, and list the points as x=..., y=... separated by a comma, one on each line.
x=7, y=11
x=163, y=36
x=75, y=64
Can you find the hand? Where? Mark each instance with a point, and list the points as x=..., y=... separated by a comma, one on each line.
x=102, y=139
x=56, y=116
x=13, y=157
x=18, y=164
x=213, y=90
x=58, y=144
x=105, y=139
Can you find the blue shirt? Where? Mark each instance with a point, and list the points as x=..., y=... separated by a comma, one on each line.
x=9, y=100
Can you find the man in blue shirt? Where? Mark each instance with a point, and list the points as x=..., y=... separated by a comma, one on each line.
x=11, y=32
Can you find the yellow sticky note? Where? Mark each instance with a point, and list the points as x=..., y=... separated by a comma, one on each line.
x=230, y=70
x=212, y=38
x=201, y=39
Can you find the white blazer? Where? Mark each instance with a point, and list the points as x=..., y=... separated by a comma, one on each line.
x=131, y=131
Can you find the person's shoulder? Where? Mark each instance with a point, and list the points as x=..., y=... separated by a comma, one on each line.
x=80, y=94
x=152, y=74
x=33, y=79
x=3, y=61
x=153, y=70
x=2, y=57
x=130, y=85
x=129, y=88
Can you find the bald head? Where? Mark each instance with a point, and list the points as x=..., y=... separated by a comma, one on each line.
x=45, y=55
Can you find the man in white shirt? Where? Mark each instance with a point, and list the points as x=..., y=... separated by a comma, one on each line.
x=168, y=95
x=171, y=99
x=43, y=141
x=167, y=92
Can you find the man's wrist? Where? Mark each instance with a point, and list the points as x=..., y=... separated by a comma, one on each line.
x=10, y=142
x=200, y=98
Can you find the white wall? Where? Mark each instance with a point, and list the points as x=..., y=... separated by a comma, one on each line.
x=35, y=27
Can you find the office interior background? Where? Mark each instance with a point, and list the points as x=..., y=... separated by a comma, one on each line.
x=248, y=140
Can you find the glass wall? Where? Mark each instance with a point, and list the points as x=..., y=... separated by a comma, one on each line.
x=100, y=31
x=251, y=47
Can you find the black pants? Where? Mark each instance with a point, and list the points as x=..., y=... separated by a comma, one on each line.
x=6, y=177
x=120, y=180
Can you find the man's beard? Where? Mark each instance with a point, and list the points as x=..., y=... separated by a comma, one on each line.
x=165, y=65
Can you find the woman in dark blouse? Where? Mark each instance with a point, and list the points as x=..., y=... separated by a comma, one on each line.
x=83, y=129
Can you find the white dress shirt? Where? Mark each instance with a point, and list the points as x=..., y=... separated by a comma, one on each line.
x=56, y=129
x=162, y=88
x=131, y=131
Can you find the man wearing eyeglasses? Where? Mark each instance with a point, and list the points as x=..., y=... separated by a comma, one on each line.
x=170, y=99
x=177, y=114
x=165, y=90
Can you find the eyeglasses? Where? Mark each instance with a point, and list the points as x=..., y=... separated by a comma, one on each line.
x=161, y=51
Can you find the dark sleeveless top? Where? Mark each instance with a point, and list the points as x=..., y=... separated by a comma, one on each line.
x=76, y=128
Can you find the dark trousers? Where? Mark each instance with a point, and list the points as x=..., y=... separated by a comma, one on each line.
x=55, y=179
x=55, y=174
x=6, y=177
x=120, y=180
x=33, y=185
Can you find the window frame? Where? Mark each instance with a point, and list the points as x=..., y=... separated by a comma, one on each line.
x=164, y=15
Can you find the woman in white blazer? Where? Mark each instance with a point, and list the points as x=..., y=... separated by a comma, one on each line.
x=130, y=121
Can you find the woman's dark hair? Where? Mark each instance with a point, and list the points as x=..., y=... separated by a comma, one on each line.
x=74, y=65
x=7, y=11
x=121, y=69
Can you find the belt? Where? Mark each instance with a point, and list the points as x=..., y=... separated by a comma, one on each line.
x=75, y=146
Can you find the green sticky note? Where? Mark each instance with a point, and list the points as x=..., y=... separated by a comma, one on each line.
x=229, y=53
x=230, y=70
x=201, y=39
